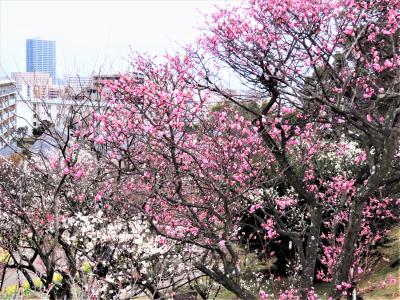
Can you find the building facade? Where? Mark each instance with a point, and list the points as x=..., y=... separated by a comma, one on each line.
x=57, y=111
x=76, y=86
x=32, y=84
x=41, y=56
x=8, y=120
x=75, y=104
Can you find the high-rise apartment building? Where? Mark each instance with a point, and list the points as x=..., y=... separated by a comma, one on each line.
x=41, y=56
x=8, y=121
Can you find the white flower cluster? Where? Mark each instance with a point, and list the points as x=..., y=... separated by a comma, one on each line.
x=122, y=236
x=341, y=159
x=126, y=248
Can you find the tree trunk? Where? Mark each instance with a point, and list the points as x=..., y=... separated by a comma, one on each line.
x=228, y=283
x=313, y=238
x=346, y=257
x=153, y=290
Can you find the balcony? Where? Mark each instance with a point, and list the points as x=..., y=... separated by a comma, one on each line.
x=7, y=91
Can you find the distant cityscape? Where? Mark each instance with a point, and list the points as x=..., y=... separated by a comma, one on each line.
x=36, y=95
x=27, y=99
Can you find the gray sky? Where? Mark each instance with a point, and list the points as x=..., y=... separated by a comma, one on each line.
x=90, y=34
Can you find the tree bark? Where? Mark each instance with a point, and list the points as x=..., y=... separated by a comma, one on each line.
x=346, y=257
x=383, y=166
x=313, y=238
x=228, y=283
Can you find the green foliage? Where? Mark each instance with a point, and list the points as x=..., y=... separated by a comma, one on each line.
x=44, y=125
x=252, y=105
x=4, y=256
x=57, y=278
x=86, y=267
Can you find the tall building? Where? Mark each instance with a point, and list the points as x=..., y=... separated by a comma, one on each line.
x=8, y=121
x=41, y=56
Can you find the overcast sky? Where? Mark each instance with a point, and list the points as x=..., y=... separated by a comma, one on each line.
x=90, y=34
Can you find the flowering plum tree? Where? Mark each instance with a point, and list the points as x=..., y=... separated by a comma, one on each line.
x=65, y=233
x=336, y=61
x=328, y=135
x=179, y=165
x=158, y=189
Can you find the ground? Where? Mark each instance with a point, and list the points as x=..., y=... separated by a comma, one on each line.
x=382, y=283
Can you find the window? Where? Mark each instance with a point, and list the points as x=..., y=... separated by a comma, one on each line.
x=35, y=116
x=34, y=124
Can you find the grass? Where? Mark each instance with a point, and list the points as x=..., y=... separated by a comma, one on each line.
x=372, y=283
x=372, y=286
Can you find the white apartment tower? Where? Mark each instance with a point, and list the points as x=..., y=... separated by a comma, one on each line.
x=8, y=120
